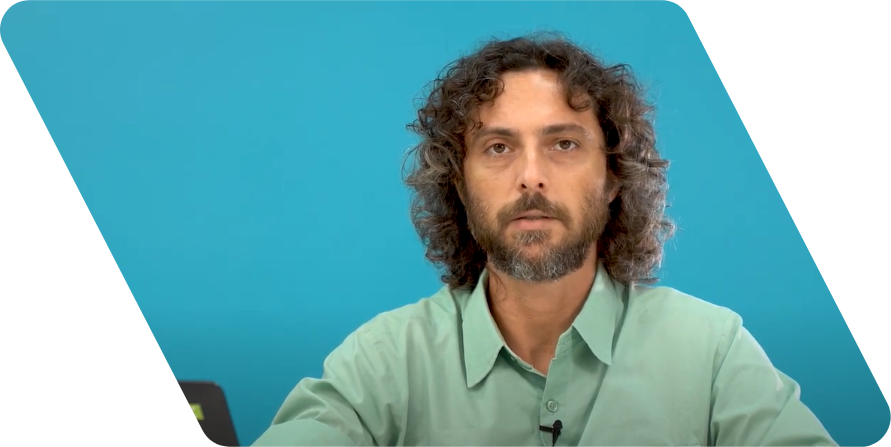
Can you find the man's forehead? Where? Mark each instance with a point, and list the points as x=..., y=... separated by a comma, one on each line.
x=542, y=122
x=557, y=127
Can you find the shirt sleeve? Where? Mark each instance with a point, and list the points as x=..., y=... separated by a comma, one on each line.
x=753, y=403
x=354, y=402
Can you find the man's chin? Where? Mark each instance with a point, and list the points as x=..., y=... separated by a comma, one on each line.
x=534, y=240
x=534, y=251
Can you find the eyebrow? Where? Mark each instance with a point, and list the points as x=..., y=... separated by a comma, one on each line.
x=547, y=130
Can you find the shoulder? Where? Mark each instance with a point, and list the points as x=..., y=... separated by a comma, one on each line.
x=420, y=323
x=668, y=306
x=676, y=317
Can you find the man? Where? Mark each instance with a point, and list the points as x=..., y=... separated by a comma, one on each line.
x=540, y=194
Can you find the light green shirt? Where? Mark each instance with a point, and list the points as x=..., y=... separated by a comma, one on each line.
x=640, y=366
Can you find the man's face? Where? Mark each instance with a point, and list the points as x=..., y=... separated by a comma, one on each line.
x=535, y=180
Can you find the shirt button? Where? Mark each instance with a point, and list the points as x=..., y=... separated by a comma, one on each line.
x=552, y=406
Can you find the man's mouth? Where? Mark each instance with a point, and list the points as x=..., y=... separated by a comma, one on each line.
x=533, y=215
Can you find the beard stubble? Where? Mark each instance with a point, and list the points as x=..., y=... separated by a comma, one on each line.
x=554, y=259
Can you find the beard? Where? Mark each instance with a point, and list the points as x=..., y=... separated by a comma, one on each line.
x=549, y=261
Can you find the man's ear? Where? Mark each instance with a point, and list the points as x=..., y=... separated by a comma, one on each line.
x=459, y=187
x=613, y=186
x=614, y=193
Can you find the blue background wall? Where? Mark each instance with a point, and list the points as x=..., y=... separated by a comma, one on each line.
x=242, y=161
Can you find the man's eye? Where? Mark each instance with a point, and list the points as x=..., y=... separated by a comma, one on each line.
x=566, y=145
x=497, y=148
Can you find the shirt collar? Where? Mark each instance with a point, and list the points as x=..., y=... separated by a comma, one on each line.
x=596, y=324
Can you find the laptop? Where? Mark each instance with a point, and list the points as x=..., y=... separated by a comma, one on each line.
x=212, y=411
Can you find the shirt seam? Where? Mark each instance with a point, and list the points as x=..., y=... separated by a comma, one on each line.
x=377, y=343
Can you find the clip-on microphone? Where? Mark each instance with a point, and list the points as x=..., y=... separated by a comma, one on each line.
x=555, y=430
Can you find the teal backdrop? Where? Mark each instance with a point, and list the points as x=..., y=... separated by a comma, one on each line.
x=242, y=161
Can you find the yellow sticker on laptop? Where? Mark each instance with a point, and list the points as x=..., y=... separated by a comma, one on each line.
x=199, y=413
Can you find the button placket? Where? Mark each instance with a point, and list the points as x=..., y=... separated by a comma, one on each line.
x=555, y=390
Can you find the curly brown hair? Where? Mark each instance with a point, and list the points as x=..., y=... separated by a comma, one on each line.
x=631, y=246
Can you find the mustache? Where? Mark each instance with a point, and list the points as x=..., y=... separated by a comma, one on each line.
x=532, y=202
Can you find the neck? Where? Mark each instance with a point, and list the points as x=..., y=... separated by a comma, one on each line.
x=533, y=316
